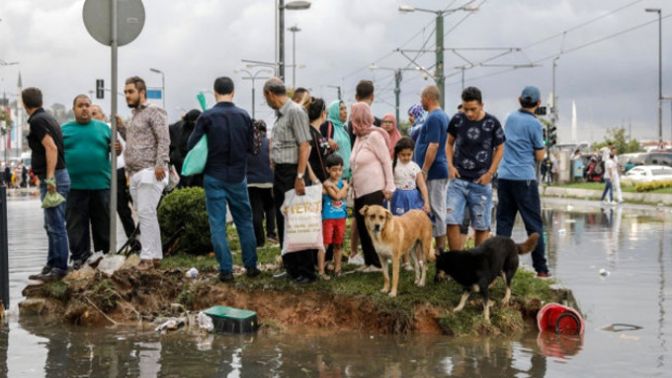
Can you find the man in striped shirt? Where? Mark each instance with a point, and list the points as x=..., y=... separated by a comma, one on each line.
x=289, y=154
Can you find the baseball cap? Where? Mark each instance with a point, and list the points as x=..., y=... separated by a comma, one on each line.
x=531, y=93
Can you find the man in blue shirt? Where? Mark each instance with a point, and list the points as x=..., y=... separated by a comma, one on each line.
x=430, y=155
x=230, y=138
x=518, y=190
x=474, y=149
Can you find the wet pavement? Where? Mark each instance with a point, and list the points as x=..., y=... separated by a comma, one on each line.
x=631, y=246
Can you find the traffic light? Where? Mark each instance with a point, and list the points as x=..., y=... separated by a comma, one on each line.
x=552, y=135
x=100, y=89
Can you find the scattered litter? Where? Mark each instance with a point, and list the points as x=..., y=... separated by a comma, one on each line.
x=205, y=322
x=560, y=319
x=111, y=263
x=192, y=273
x=604, y=272
x=621, y=327
x=171, y=325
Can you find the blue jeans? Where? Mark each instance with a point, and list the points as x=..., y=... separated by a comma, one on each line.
x=217, y=195
x=54, y=222
x=474, y=197
x=522, y=196
x=608, y=188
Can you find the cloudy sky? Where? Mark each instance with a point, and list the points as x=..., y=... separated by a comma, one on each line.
x=614, y=82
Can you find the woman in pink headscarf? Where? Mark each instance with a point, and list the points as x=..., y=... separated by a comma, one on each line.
x=389, y=124
x=372, y=177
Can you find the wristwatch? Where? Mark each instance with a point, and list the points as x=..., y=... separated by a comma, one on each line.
x=300, y=176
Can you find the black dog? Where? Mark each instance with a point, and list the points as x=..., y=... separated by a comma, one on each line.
x=477, y=268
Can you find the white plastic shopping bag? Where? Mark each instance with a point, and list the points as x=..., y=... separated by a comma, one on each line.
x=303, y=220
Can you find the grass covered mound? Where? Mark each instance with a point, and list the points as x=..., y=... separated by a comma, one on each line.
x=352, y=301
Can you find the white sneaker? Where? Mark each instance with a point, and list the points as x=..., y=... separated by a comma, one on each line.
x=372, y=269
x=358, y=259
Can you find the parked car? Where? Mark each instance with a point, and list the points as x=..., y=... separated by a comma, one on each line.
x=658, y=158
x=648, y=173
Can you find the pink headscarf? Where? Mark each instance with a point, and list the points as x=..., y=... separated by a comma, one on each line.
x=395, y=135
x=362, y=121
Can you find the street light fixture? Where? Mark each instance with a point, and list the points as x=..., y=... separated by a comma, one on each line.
x=163, y=85
x=660, y=71
x=254, y=76
x=280, y=7
x=439, y=76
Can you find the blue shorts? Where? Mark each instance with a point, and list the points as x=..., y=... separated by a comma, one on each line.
x=476, y=198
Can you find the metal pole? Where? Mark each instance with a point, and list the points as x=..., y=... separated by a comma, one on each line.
x=660, y=76
x=4, y=250
x=252, y=98
x=294, y=58
x=113, y=155
x=440, y=80
x=340, y=97
x=281, y=39
x=8, y=129
x=462, y=78
x=397, y=91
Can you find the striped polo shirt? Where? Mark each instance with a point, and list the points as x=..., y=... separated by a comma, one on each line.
x=290, y=129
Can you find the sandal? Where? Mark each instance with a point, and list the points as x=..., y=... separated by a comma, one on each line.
x=324, y=277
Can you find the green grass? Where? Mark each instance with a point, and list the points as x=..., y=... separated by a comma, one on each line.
x=366, y=286
x=600, y=187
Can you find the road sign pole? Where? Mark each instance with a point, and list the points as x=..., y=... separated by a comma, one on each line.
x=113, y=155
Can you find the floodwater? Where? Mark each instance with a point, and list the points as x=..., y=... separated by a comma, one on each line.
x=632, y=244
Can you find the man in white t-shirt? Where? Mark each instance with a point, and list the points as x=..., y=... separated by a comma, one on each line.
x=611, y=180
x=615, y=176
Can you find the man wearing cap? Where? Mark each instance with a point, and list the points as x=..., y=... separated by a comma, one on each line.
x=518, y=190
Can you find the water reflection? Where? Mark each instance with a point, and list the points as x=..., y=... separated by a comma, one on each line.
x=634, y=245
x=78, y=352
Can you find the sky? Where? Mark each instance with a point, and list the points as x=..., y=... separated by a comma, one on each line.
x=614, y=83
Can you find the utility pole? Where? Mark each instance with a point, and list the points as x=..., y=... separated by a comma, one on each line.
x=397, y=92
x=438, y=74
x=281, y=39
x=660, y=71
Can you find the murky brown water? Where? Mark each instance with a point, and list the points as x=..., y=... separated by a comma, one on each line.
x=634, y=244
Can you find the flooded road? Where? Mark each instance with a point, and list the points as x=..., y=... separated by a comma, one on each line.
x=632, y=245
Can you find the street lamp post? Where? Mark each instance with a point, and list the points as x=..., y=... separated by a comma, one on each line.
x=439, y=76
x=660, y=71
x=294, y=29
x=163, y=85
x=280, y=7
x=254, y=76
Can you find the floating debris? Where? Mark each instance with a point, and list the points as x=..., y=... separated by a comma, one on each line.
x=621, y=327
x=604, y=272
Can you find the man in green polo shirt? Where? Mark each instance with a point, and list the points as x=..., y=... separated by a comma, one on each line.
x=87, y=150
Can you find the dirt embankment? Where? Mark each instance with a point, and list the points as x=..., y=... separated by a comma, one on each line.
x=92, y=298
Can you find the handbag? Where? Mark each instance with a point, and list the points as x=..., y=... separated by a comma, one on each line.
x=303, y=220
x=197, y=157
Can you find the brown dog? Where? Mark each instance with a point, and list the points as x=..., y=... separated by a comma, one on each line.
x=394, y=236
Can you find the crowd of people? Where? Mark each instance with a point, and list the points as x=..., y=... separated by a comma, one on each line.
x=445, y=167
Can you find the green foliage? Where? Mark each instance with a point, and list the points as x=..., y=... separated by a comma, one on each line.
x=617, y=138
x=104, y=295
x=185, y=208
x=57, y=290
x=653, y=186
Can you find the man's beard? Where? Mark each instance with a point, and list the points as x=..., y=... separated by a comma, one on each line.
x=133, y=105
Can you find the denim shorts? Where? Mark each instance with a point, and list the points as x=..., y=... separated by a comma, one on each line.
x=476, y=198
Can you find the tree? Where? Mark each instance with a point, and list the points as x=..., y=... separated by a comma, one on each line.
x=616, y=137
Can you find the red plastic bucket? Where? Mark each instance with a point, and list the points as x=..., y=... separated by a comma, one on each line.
x=560, y=319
